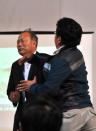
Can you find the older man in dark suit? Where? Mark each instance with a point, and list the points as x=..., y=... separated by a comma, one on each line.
x=24, y=70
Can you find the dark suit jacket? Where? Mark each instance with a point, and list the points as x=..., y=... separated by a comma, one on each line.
x=17, y=74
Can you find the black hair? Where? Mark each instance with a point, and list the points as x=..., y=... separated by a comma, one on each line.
x=70, y=32
x=41, y=115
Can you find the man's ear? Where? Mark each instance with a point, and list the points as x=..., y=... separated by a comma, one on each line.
x=34, y=43
x=58, y=42
x=59, y=39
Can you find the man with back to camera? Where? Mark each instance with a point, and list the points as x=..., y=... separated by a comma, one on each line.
x=24, y=70
x=40, y=114
x=66, y=80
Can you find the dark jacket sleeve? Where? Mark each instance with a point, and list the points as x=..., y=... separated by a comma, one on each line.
x=60, y=70
x=11, y=83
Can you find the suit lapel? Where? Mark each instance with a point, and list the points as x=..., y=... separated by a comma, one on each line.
x=31, y=72
x=21, y=69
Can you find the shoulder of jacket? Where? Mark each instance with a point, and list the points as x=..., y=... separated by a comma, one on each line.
x=15, y=62
x=73, y=56
x=43, y=56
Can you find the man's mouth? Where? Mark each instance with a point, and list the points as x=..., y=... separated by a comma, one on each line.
x=20, y=49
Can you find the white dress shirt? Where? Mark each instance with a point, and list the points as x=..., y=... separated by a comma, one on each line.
x=26, y=70
x=27, y=67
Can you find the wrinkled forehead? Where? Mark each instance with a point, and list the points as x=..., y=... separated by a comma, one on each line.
x=23, y=35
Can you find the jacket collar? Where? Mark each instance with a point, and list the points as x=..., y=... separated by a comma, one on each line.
x=58, y=50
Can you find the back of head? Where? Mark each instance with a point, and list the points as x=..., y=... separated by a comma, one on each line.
x=41, y=115
x=70, y=32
